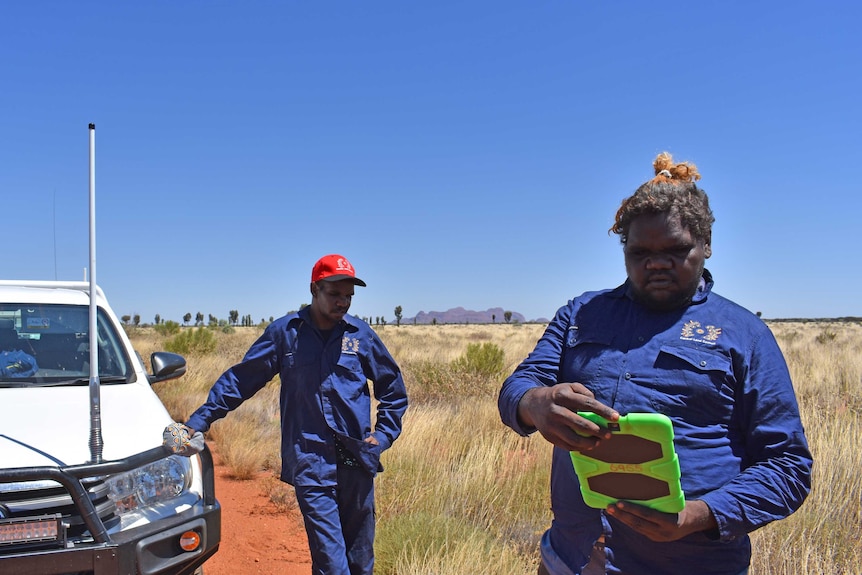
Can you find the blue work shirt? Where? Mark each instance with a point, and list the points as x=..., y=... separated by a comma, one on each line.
x=716, y=370
x=324, y=393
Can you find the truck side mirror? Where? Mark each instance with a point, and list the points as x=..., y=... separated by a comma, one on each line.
x=166, y=366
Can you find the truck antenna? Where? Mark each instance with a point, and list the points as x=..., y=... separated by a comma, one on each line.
x=54, y=226
x=95, y=391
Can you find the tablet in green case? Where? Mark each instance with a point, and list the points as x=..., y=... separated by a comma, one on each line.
x=638, y=464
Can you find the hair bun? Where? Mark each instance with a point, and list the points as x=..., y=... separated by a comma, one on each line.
x=665, y=167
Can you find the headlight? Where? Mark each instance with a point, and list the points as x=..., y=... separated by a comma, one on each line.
x=151, y=484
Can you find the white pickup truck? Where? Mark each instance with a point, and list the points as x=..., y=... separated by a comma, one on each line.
x=133, y=508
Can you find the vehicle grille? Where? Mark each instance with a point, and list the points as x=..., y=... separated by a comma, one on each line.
x=48, y=498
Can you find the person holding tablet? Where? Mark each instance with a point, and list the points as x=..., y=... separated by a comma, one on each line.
x=664, y=342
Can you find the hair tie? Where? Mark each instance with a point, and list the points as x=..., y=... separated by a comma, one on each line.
x=664, y=173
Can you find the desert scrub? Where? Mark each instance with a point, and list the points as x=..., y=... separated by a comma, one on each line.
x=485, y=360
x=477, y=372
x=168, y=328
x=198, y=341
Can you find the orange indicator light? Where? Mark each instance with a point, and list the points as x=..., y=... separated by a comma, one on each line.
x=190, y=540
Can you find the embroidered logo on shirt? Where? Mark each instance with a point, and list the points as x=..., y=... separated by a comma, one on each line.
x=694, y=331
x=349, y=344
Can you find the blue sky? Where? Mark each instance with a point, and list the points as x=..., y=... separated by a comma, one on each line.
x=458, y=153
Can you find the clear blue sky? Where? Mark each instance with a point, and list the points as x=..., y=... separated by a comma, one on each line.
x=458, y=153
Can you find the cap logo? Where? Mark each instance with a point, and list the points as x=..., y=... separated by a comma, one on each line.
x=342, y=265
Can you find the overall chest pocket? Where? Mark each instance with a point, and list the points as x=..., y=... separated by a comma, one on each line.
x=348, y=371
x=296, y=362
x=351, y=385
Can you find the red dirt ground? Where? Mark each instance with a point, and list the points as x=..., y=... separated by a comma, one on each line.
x=257, y=537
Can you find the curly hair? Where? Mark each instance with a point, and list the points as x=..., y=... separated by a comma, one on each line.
x=673, y=191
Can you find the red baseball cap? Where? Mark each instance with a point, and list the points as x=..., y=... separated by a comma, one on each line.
x=334, y=268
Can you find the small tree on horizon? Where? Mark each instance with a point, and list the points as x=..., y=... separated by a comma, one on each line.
x=187, y=318
x=507, y=315
x=397, y=315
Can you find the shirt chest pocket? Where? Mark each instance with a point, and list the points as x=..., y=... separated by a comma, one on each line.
x=693, y=381
x=584, y=354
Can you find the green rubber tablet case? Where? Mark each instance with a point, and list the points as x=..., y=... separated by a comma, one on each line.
x=638, y=464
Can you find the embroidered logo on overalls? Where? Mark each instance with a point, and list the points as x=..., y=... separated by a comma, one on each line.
x=349, y=344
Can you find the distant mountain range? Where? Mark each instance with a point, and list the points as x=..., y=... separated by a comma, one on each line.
x=461, y=315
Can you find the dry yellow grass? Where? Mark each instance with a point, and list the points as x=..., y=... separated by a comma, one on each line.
x=463, y=494
x=825, y=536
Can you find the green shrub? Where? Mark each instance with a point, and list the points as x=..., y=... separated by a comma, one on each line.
x=485, y=359
x=198, y=341
x=167, y=328
x=476, y=373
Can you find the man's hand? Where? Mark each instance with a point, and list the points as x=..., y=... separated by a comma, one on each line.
x=552, y=411
x=182, y=440
x=658, y=526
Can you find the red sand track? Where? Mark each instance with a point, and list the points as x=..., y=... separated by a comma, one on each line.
x=257, y=538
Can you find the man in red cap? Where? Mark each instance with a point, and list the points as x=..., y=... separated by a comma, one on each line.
x=329, y=452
